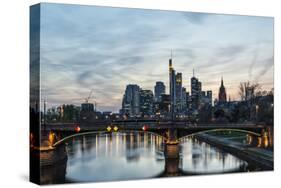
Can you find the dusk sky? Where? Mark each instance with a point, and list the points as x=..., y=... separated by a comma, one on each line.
x=104, y=49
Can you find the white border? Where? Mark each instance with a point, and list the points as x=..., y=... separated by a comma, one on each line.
x=14, y=79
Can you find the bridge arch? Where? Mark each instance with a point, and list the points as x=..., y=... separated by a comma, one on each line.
x=219, y=130
x=102, y=132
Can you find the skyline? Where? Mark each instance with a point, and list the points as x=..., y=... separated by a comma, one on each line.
x=105, y=54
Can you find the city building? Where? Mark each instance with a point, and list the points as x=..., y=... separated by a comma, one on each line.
x=179, y=97
x=172, y=81
x=131, y=100
x=162, y=108
x=205, y=107
x=206, y=98
x=196, y=88
x=159, y=89
x=210, y=96
x=188, y=101
x=146, y=103
x=106, y=114
x=87, y=107
x=222, y=93
x=184, y=100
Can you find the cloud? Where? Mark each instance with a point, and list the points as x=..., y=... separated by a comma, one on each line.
x=102, y=48
x=230, y=50
x=267, y=65
x=195, y=18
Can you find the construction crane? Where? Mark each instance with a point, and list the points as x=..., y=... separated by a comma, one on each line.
x=88, y=98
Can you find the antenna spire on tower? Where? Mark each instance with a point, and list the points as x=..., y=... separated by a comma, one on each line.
x=193, y=72
x=170, y=61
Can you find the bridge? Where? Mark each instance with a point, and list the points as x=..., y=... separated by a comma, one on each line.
x=172, y=131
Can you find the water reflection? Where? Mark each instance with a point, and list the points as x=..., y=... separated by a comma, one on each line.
x=139, y=155
x=116, y=156
x=199, y=157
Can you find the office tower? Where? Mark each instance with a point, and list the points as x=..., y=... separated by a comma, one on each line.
x=195, y=92
x=146, y=102
x=183, y=101
x=159, y=89
x=131, y=100
x=178, y=92
x=172, y=81
x=188, y=101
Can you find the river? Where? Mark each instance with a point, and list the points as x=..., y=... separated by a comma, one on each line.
x=137, y=155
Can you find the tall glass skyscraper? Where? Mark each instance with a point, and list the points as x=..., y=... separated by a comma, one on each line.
x=179, y=97
x=172, y=80
x=195, y=92
x=146, y=102
x=159, y=89
x=131, y=100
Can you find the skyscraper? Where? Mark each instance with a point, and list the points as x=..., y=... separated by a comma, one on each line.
x=178, y=92
x=188, y=101
x=159, y=89
x=146, y=102
x=131, y=100
x=172, y=80
x=195, y=92
x=222, y=92
x=183, y=101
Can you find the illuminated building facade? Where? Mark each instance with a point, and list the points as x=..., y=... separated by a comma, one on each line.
x=146, y=102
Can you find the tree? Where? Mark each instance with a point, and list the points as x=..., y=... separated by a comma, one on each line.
x=248, y=90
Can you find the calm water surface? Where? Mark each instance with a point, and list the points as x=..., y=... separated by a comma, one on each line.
x=125, y=156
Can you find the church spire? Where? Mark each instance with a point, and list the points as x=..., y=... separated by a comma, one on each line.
x=222, y=92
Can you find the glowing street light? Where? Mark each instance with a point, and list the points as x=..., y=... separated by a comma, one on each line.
x=77, y=129
x=51, y=138
x=115, y=128
x=108, y=128
x=144, y=128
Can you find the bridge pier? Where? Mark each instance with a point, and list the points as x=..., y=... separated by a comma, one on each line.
x=171, y=152
x=171, y=149
x=172, y=167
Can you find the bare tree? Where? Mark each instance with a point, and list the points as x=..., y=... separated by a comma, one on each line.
x=242, y=92
x=248, y=90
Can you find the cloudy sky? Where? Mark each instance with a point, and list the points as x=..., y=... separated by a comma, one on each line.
x=104, y=49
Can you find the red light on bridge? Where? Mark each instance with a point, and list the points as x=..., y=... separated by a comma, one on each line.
x=77, y=129
x=144, y=128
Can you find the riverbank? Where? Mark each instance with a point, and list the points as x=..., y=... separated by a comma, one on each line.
x=253, y=155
